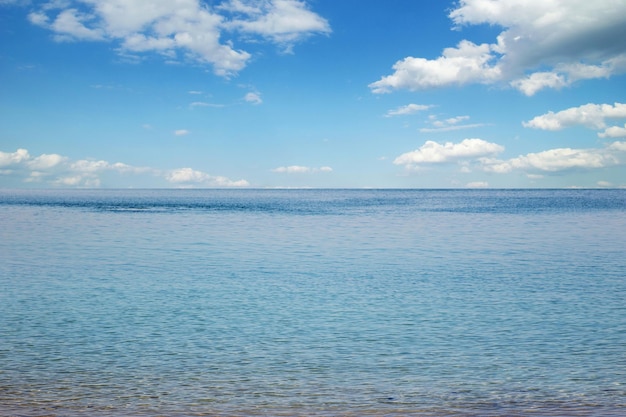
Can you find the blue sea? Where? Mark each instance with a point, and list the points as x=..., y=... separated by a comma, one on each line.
x=312, y=303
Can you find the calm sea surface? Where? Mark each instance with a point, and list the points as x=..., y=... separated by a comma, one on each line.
x=313, y=303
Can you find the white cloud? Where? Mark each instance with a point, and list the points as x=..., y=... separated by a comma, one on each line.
x=70, y=25
x=589, y=115
x=614, y=132
x=543, y=44
x=560, y=159
x=293, y=169
x=204, y=104
x=617, y=146
x=189, y=28
x=451, y=128
x=13, y=158
x=181, y=132
x=477, y=184
x=38, y=18
x=408, y=109
x=433, y=153
x=298, y=169
x=538, y=81
x=281, y=21
x=466, y=63
x=254, y=98
x=76, y=181
x=186, y=175
x=452, y=121
x=191, y=176
x=60, y=170
x=45, y=161
x=449, y=124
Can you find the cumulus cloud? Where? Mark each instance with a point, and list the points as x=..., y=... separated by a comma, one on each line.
x=32, y=169
x=435, y=153
x=614, y=132
x=408, y=109
x=46, y=161
x=589, y=115
x=560, y=159
x=538, y=81
x=466, y=63
x=543, y=44
x=298, y=169
x=186, y=175
x=189, y=28
x=191, y=176
x=617, y=146
x=13, y=158
x=138, y=26
x=60, y=170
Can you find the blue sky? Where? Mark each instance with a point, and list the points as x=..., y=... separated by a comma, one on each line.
x=317, y=93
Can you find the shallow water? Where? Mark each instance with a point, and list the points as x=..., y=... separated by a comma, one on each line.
x=313, y=302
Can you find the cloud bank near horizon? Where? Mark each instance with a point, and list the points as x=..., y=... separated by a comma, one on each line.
x=479, y=155
x=61, y=171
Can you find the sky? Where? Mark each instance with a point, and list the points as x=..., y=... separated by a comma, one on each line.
x=312, y=93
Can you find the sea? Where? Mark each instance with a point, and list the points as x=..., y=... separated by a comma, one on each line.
x=232, y=303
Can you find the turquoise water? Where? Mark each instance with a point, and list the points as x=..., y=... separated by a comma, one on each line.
x=313, y=303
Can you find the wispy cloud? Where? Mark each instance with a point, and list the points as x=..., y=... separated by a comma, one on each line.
x=451, y=128
x=449, y=124
x=204, y=104
x=181, y=132
x=408, y=109
x=298, y=169
x=253, y=98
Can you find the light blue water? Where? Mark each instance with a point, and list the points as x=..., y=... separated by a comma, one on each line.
x=313, y=302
